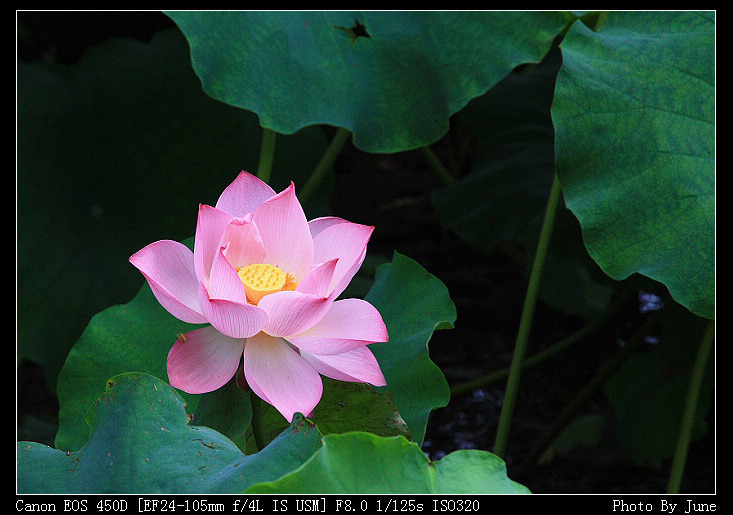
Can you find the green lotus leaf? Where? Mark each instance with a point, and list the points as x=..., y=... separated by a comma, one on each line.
x=362, y=463
x=416, y=383
x=634, y=116
x=141, y=442
x=392, y=78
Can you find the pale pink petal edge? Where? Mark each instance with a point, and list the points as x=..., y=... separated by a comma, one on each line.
x=357, y=365
x=293, y=312
x=244, y=195
x=234, y=319
x=168, y=267
x=348, y=324
x=203, y=360
x=285, y=235
x=282, y=377
x=338, y=238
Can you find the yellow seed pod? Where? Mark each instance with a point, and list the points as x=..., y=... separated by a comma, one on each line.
x=260, y=279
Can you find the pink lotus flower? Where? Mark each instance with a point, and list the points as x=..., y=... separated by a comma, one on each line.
x=266, y=280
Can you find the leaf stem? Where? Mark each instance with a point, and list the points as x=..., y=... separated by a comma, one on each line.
x=325, y=164
x=525, y=322
x=688, y=416
x=437, y=167
x=547, y=353
x=267, y=153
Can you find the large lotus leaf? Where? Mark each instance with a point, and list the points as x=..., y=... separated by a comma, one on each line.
x=114, y=152
x=392, y=78
x=635, y=147
x=413, y=303
x=141, y=442
x=362, y=463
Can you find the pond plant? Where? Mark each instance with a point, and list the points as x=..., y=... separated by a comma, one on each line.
x=268, y=350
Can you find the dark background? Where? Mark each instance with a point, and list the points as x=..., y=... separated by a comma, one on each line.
x=394, y=196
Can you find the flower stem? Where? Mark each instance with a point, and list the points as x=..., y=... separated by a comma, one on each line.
x=688, y=416
x=525, y=322
x=325, y=164
x=267, y=153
